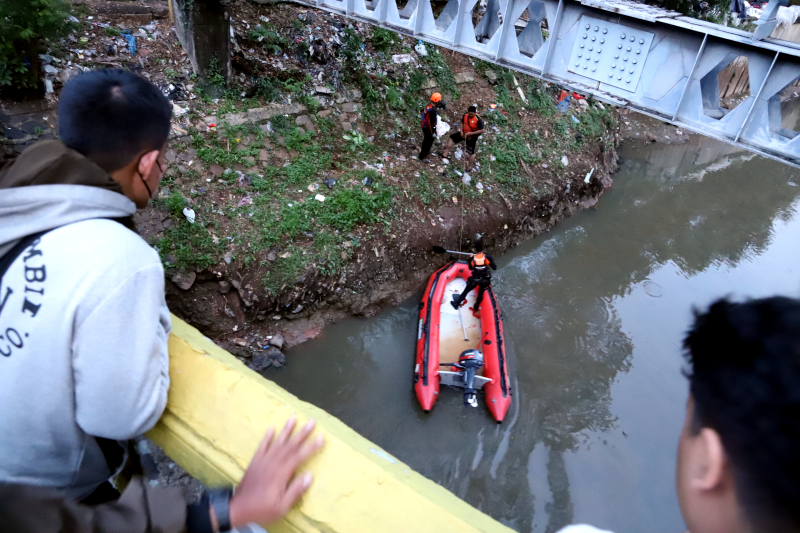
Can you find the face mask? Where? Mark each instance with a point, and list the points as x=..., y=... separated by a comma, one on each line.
x=149, y=192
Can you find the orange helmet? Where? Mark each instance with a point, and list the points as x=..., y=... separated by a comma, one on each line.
x=436, y=97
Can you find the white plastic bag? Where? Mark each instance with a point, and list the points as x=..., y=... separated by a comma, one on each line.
x=442, y=128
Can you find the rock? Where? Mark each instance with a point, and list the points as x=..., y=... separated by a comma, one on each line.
x=346, y=126
x=250, y=160
x=259, y=361
x=184, y=280
x=228, y=257
x=354, y=95
x=260, y=114
x=491, y=76
x=324, y=113
x=323, y=90
x=236, y=119
x=224, y=287
x=464, y=77
x=302, y=120
x=277, y=341
x=350, y=107
x=277, y=357
x=272, y=256
x=215, y=170
x=263, y=155
x=240, y=342
x=188, y=155
x=170, y=156
x=68, y=73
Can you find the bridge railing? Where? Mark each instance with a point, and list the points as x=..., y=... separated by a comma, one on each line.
x=218, y=411
x=629, y=54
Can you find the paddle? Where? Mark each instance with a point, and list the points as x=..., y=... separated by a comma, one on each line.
x=440, y=250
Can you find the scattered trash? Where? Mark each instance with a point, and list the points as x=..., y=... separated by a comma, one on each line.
x=228, y=257
x=313, y=187
x=600, y=106
x=466, y=179
x=131, y=41
x=319, y=198
x=563, y=101
x=442, y=128
x=445, y=161
x=245, y=201
x=188, y=212
x=479, y=186
x=564, y=160
x=589, y=176
x=402, y=58
x=179, y=111
x=285, y=255
x=544, y=165
x=367, y=181
x=575, y=120
x=458, y=154
x=330, y=182
x=458, y=172
x=420, y=48
x=455, y=200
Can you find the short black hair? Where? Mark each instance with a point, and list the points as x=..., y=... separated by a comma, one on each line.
x=472, y=109
x=478, y=246
x=112, y=115
x=744, y=376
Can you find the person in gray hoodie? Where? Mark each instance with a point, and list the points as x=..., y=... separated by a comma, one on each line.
x=83, y=321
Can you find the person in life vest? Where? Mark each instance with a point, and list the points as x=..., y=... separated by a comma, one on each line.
x=430, y=118
x=481, y=277
x=469, y=130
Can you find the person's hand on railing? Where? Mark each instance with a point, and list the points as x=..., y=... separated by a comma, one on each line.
x=270, y=487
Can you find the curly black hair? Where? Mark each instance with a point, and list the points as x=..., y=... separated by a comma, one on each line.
x=744, y=376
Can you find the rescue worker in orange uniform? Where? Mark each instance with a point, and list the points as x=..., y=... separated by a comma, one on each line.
x=481, y=277
x=470, y=128
x=430, y=118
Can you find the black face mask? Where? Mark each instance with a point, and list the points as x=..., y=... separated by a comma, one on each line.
x=160, y=169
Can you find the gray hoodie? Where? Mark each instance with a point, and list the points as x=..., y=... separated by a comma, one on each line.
x=83, y=328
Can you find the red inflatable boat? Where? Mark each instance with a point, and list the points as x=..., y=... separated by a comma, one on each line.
x=443, y=334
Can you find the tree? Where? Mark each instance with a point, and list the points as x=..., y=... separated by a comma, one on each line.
x=23, y=23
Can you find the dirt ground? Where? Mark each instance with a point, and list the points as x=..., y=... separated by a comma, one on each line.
x=265, y=255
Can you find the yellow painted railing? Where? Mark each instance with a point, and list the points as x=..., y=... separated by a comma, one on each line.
x=218, y=411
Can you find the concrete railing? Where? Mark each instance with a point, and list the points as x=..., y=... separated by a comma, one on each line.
x=218, y=411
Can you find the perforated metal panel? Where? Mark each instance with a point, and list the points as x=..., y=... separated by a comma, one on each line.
x=610, y=53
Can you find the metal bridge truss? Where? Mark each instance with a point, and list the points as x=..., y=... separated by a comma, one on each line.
x=653, y=61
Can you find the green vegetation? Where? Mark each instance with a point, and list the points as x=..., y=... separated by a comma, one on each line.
x=189, y=244
x=384, y=40
x=23, y=24
x=113, y=32
x=269, y=38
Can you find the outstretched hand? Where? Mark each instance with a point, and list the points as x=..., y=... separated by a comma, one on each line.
x=270, y=487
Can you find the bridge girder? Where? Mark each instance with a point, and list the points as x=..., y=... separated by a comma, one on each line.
x=628, y=54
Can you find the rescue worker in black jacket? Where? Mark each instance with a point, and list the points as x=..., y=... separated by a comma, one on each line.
x=481, y=277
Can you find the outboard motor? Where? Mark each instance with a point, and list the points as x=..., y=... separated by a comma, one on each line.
x=470, y=362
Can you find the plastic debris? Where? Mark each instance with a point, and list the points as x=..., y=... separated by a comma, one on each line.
x=479, y=186
x=402, y=58
x=188, y=212
x=367, y=181
x=330, y=182
x=445, y=161
x=442, y=128
x=420, y=48
x=458, y=153
x=179, y=111
x=466, y=179
x=564, y=160
x=245, y=201
x=589, y=176
x=575, y=120
x=319, y=198
x=131, y=41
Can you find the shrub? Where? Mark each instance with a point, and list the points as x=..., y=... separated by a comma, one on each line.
x=22, y=24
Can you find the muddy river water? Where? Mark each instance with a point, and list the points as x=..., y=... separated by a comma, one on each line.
x=595, y=313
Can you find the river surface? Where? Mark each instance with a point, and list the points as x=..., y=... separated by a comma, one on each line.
x=595, y=313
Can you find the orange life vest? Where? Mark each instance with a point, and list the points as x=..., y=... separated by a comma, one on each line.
x=479, y=261
x=426, y=117
x=470, y=123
